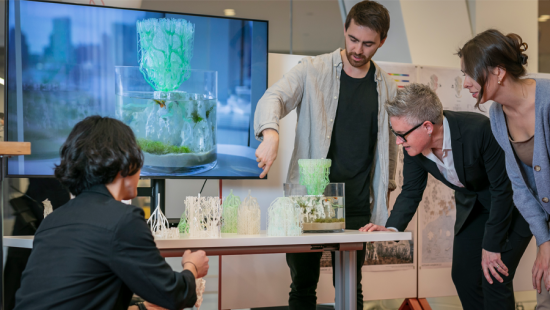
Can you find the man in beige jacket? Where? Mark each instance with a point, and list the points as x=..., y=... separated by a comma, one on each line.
x=339, y=99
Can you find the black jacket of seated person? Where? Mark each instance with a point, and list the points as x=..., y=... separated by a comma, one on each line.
x=94, y=253
x=485, y=213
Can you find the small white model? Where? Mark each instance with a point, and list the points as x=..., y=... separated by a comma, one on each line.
x=203, y=216
x=201, y=285
x=48, y=208
x=284, y=218
x=159, y=224
x=249, y=216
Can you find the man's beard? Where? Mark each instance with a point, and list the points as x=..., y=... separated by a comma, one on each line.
x=357, y=64
x=354, y=63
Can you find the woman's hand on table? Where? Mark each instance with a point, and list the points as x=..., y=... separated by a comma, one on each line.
x=196, y=262
x=492, y=265
x=372, y=227
x=541, y=267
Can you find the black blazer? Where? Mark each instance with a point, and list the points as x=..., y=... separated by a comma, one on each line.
x=480, y=166
x=95, y=253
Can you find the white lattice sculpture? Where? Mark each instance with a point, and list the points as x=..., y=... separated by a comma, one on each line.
x=159, y=224
x=201, y=285
x=48, y=208
x=203, y=216
x=249, y=216
x=284, y=218
x=168, y=233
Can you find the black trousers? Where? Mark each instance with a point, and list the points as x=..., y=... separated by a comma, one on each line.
x=305, y=269
x=474, y=291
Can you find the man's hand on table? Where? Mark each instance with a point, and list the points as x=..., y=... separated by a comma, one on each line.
x=372, y=227
x=196, y=262
x=267, y=150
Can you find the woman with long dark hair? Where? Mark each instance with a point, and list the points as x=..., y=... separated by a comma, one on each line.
x=494, y=66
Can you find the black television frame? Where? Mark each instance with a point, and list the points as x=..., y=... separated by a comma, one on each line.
x=6, y=49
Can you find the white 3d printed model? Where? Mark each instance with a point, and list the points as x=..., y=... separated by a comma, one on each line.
x=284, y=218
x=203, y=216
x=159, y=225
x=48, y=208
x=201, y=285
x=168, y=233
x=249, y=216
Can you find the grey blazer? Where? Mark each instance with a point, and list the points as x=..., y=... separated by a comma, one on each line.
x=535, y=209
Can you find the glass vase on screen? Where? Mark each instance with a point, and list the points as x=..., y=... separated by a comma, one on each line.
x=176, y=130
x=188, y=85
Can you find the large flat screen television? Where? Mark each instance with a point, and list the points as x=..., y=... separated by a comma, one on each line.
x=186, y=84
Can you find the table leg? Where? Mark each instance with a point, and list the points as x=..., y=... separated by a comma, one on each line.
x=346, y=280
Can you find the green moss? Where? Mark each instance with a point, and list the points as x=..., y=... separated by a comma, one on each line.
x=196, y=117
x=159, y=148
x=329, y=220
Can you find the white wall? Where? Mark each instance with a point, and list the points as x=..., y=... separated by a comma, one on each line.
x=517, y=16
x=435, y=29
x=396, y=48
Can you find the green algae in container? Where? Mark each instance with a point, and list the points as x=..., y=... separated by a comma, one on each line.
x=320, y=213
x=176, y=130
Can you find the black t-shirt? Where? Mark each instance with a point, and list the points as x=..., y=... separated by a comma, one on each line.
x=354, y=137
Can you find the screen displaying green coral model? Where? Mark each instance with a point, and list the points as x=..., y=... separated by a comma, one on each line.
x=187, y=85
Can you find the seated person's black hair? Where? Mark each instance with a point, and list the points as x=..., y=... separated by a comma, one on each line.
x=97, y=149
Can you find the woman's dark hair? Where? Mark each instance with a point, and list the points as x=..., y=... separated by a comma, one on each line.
x=491, y=49
x=372, y=15
x=97, y=149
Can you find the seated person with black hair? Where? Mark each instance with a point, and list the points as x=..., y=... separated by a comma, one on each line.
x=95, y=252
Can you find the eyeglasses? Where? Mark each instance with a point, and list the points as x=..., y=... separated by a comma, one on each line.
x=402, y=136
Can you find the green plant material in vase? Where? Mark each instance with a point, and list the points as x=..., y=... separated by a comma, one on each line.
x=183, y=226
x=160, y=148
x=196, y=117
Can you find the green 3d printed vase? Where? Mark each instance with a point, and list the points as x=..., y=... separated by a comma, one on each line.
x=314, y=174
x=165, y=49
x=170, y=107
x=230, y=213
x=183, y=226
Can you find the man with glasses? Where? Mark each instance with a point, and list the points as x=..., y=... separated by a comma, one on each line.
x=459, y=149
x=339, y=100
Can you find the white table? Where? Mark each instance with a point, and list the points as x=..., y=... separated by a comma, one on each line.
x=345, y=245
